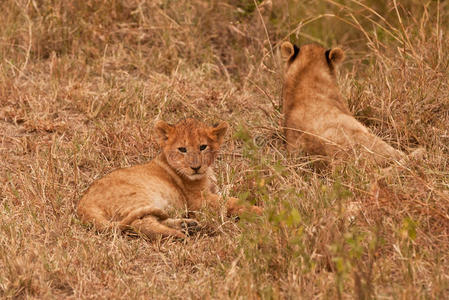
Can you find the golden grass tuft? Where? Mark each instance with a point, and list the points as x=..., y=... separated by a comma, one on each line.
x=82, y=83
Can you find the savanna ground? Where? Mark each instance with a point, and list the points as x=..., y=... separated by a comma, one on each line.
x=82, y=83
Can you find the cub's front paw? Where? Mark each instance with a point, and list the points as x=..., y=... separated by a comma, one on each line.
x=190, y=226
x=235, y=208
x=186, y=226
x=256, y=210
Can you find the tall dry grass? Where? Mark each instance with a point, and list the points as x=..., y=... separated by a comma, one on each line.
x=82, y=82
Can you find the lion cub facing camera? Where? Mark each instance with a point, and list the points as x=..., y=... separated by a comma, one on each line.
x=316, y=119
x=140, y=198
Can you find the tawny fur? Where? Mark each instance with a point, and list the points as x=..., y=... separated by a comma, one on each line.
x=316, y=118
x=140, y=198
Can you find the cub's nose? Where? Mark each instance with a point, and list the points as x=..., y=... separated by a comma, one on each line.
x=196, y=169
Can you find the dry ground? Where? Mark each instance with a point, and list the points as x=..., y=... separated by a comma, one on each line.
x=82, y=83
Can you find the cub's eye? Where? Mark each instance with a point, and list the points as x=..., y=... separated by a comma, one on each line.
x=202, y=147
x=182, y=149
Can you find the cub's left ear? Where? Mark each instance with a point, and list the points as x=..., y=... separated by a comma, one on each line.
x=336, y=56
x=163, y=130
x=288, y=51
x=218, y=132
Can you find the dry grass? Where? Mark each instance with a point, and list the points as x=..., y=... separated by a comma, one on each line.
x=82, y=82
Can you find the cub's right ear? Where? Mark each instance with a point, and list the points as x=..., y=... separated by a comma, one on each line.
x=163, y=130
x=217, y=132
x=288, y=51
x=336, y=56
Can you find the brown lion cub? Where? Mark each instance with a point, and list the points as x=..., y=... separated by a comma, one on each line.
x=140, y=198
x=316, y=119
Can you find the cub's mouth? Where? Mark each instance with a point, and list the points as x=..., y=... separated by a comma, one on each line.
x=196, y=176
x=196, y=170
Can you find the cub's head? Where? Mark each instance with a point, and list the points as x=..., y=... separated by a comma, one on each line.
x=310, y=58
x=190, y=146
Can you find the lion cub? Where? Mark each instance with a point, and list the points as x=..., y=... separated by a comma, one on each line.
x=316, y=119
x=140, y=198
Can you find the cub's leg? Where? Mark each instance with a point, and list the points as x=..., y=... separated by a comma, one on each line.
x=139, y=213
x=292, y=138
x=95, y=216
x=382, y=153
x=416, y=155
x=232, y=206
x=151, y=227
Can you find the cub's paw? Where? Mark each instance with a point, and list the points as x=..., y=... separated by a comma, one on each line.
x=190, y=226
x=256, y=210
x=235, y=209
x=186, y=226
x=417, y=154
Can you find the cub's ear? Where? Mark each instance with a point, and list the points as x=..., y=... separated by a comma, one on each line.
x=217, y=132
x=163, y=130
x=335, y=56
x=288, y=51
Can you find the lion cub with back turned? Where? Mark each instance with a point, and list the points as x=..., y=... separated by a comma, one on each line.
x=139, y=198
x=316, y=119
